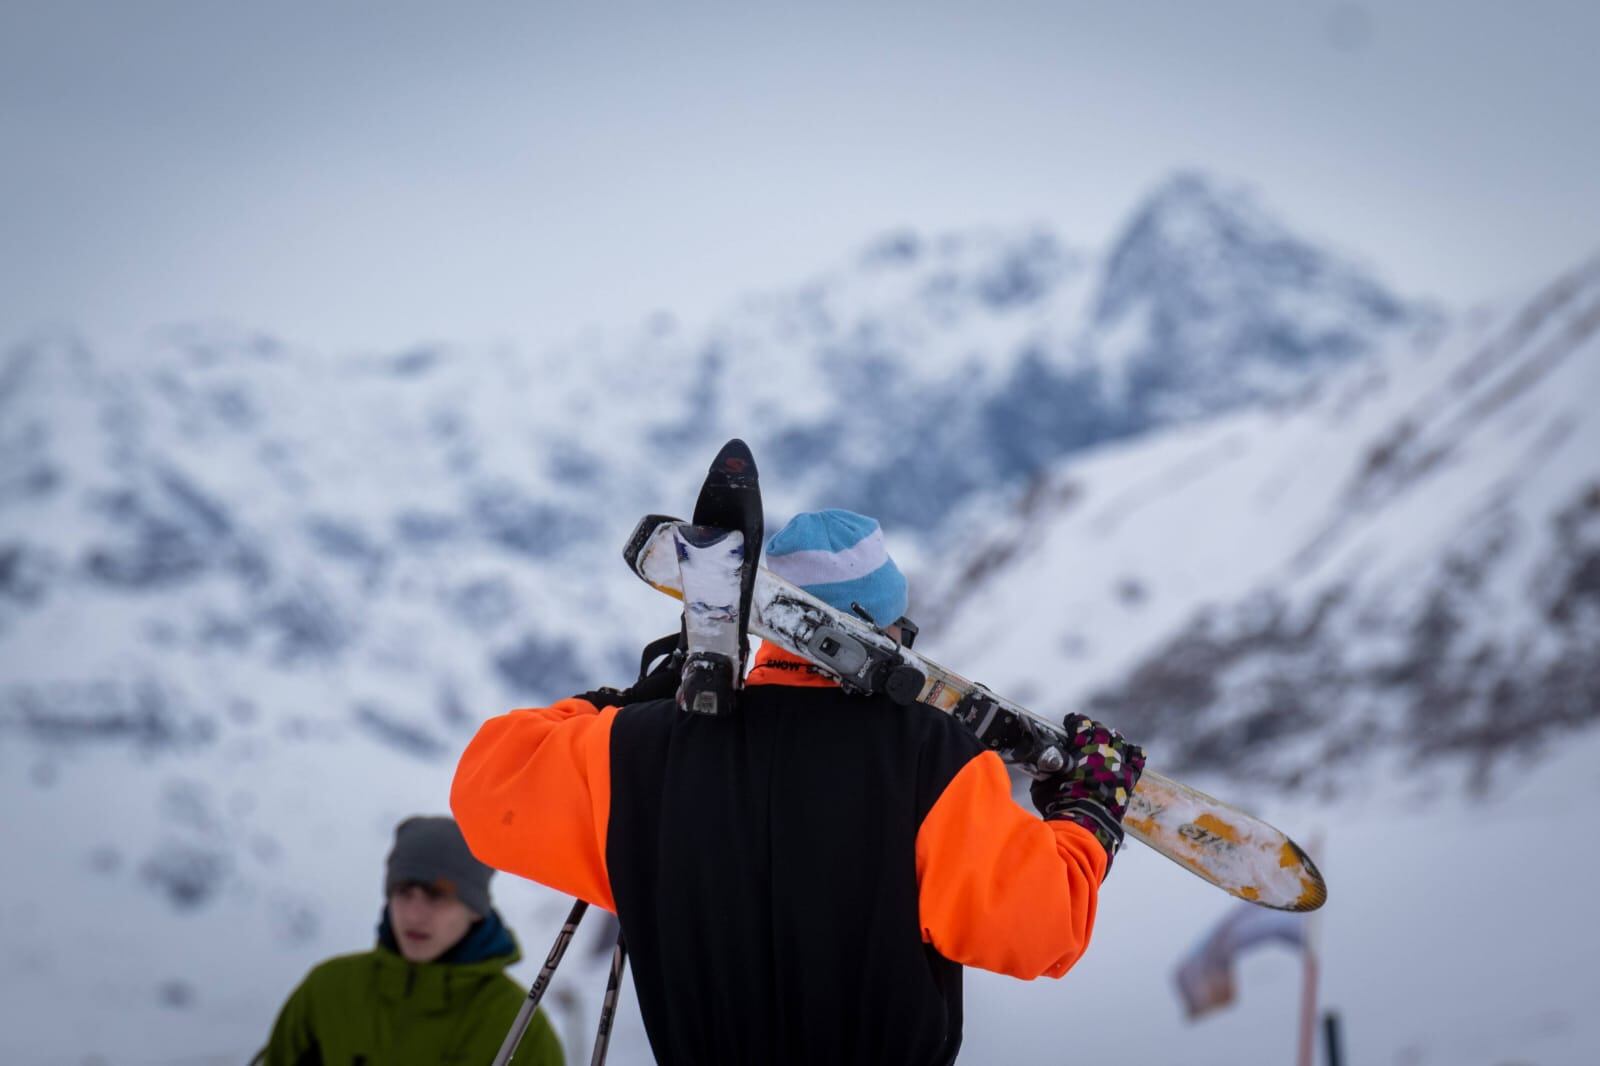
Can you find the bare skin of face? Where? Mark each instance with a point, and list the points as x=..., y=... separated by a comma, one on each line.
x=427, y=922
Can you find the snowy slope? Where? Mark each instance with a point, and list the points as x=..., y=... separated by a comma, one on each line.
x=1409, y=556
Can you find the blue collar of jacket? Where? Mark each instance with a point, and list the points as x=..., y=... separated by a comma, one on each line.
x=450, y=980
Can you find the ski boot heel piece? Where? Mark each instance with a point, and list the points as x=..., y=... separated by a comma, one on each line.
x=707, y=686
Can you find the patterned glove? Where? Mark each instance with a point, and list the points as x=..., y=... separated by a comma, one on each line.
x=1092, y=789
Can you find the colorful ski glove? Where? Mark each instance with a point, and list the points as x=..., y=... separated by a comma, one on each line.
x=1092, y=789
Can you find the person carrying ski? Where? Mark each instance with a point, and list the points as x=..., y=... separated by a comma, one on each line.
x=801, y=881
x=434, y=990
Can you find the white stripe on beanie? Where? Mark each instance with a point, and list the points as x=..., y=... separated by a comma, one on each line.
x=823, y=567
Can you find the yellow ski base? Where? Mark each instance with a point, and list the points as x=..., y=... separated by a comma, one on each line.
x=1240, y=854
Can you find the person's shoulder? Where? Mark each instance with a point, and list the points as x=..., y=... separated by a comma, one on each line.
x=944, y=730
x=945, y=749
x=503, y=995
x=504, y=986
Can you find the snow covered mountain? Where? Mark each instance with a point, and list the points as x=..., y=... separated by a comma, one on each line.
x=254, y=598
x=1373, y=616
x=936, y=370
x=1409, y=559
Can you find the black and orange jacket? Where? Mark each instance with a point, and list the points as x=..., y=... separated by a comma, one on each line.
x=799, y=882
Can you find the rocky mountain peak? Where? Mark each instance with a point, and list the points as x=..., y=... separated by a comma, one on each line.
x=1207, y=301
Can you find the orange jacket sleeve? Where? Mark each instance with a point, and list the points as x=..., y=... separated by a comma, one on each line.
x=532, y=795
x=999, y=888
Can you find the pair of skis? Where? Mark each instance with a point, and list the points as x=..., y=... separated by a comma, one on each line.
x=697, y=563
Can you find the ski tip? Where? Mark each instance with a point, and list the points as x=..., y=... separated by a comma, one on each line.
x=731, y=495
x=1313, y=889
x=1309, y=894
x=734, y=461
x=648, y=528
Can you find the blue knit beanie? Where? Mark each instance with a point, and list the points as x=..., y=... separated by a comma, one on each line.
x=839, y=557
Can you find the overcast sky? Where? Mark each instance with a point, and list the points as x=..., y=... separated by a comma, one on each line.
x=355, y=175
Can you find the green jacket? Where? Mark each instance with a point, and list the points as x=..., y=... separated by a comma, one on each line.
x=376, y=1009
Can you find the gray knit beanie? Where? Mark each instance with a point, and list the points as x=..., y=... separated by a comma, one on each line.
x=431, y=850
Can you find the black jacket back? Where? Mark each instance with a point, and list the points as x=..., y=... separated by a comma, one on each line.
x=764, y=871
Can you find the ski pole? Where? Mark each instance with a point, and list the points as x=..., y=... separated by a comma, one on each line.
x=608, y=1008
x=540, y=983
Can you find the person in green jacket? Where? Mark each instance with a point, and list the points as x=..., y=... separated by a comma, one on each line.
x=434, y=991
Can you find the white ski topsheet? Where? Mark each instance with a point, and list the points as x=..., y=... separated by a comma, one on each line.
x=710, y=574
